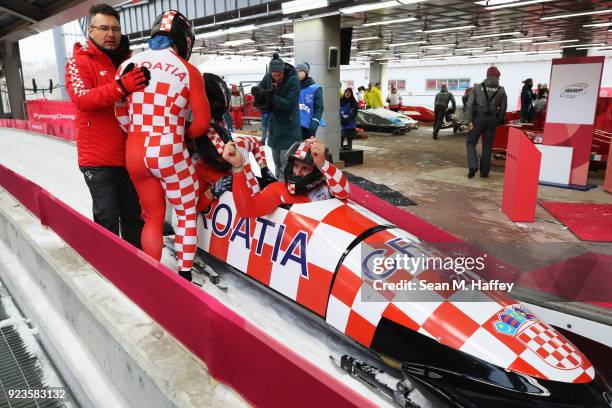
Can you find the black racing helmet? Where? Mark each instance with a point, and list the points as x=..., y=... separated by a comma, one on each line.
x=217, y=94
x=300, y=185
x=173, y=24
x=210, y=146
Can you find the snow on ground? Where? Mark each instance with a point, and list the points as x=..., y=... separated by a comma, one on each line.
x=52, y=165
x=27, y=335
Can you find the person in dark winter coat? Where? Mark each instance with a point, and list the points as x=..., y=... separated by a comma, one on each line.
x=527, y=97
x=280, y=88
x=440, y=106
x=311, y=102
x=348, y=118
x=486, y=109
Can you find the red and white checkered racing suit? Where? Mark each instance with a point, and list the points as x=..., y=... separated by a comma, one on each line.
x=156, y=156
x=255, y=205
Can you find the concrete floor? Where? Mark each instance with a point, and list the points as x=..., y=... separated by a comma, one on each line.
x=433, y=173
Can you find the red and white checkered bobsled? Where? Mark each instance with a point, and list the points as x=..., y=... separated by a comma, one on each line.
x=461, y=348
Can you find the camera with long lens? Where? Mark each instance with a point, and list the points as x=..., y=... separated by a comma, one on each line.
x=263, y=98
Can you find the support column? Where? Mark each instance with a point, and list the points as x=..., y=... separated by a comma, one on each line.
x=14, y=80
x=312, y=41
x=60, y=59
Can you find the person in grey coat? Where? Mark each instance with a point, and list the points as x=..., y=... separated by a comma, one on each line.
x=486, y=108
x=440, y=105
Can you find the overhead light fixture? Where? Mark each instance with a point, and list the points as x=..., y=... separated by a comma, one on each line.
x=366, y=38
x=606, y=48
x=296, y=6
x=441, y=30
x=227, y=31
x=475, y=37
x=503, y=54
x=441, y=56
x=438, y=46
x=583, y=45
x=290, y=36
x=235, y=43
x=584, y=13
x=387, y=22
x=523, y=39
x=514, y=3
x=274, y=23
x=377, y=6
x=545, y=52
x=472, y=49
x=608, y=24
x=407, y=43
x=554, y=42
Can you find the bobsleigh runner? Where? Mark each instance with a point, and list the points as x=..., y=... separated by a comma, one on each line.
x=483, y=353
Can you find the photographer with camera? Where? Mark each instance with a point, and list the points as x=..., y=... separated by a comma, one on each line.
x=278, y=94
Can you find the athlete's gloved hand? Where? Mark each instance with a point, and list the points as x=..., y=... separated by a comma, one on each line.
x=133, y=80
x=221, y=186
x=267, y=177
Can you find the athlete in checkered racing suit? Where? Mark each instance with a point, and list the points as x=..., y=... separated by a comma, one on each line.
x=156, y=156
x=214, y=173
x=309, y=176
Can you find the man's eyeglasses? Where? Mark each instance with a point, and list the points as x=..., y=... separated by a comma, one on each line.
x=106, y=29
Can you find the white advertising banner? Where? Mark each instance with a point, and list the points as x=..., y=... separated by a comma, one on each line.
x=573, y=93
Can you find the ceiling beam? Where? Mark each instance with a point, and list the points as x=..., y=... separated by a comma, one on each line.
x=23, y=10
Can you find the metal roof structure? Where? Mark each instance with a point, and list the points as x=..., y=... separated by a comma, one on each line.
x=390, y=30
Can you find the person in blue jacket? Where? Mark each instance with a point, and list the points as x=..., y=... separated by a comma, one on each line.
x=348, y=118
x=311, y=102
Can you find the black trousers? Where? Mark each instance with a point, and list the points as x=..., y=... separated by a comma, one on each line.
x=349, y=135
x=482, y=124
x=439, y=112
x=115, y=201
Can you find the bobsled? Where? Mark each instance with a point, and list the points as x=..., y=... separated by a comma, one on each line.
x=385, y=120
x=481, y=351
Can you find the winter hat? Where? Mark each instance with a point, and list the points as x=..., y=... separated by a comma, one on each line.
x=303, y=66
x=493, y=72
x=277, y=64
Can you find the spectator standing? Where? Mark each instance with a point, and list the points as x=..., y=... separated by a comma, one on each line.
x=376, y=99
x=236, y=107
x=440, y=106
x=348, y=118
x=278, y=93
x=527, y=97
x=394, y=100
x=311, y=102
x=486, y=109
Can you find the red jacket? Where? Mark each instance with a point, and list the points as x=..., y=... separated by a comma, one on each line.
x=90, y=82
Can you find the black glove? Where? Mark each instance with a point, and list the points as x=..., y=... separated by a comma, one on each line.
x=266, y=177
x=268, y=92
x=221, y=186
x=256, y=91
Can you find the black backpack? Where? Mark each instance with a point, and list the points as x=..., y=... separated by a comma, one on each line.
x=218, y=95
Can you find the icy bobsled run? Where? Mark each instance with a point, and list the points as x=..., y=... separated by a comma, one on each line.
x=457, y=352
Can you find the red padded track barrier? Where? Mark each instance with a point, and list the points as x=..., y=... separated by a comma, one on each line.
x=261, y=369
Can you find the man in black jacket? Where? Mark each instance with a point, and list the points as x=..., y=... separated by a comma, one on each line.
x=440, y=105
x=486, y=106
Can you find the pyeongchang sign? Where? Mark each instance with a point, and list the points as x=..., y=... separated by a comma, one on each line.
x=51, y=112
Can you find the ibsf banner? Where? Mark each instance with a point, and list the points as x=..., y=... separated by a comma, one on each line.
x=572, y=103
x=61, y=113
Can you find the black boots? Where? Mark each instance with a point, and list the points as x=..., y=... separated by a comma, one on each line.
x=186, y=275
x=472, y=173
